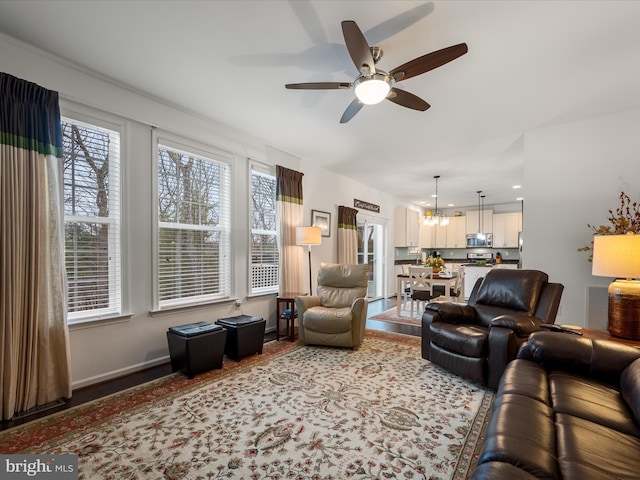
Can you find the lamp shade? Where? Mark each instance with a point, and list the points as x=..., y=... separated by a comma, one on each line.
x=308, y=236
x=616, y=256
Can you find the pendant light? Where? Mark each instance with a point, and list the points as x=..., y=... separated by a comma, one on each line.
x=436, y=217
x=479, y=214
x=481, y=234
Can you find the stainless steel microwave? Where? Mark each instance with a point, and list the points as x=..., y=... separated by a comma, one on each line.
x=480, y=240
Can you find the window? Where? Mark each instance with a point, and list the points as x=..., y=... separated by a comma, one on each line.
x=92, y=219
x=264, y=246
x=193, y=228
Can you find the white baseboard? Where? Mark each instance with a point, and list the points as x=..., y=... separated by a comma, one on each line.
x=85, y=382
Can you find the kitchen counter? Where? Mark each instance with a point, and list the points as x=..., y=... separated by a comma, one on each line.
x=461, y=261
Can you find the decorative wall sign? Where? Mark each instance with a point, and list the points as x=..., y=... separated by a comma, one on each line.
x=322, y=220
x=366, y=205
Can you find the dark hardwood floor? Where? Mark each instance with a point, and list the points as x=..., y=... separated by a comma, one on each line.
x=93, y=392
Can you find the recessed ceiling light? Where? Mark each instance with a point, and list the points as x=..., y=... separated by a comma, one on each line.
x=516, y=186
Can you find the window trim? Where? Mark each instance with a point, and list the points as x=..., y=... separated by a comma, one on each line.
x=72, y=112
x=196, y=148
x=265, y=169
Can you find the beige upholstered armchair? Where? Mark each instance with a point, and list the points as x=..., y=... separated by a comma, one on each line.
x=337, y=315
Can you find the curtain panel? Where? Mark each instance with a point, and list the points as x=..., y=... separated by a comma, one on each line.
x=347, y=235
x=35, y=359
x=289, y=198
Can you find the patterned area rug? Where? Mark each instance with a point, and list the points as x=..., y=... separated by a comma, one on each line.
x=391, y=315
x=293, y=412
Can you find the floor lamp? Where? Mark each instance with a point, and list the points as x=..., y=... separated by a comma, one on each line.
x=308, y=236
x=619, y=256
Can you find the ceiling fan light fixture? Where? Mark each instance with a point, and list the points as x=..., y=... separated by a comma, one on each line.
x=373, y=88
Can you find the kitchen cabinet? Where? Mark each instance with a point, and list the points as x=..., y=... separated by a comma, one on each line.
x=506, y=227
x=427, y=237
x=453, y=235
x=457, y=232
x=473, y=218
x=407, y=227
x=440, y=233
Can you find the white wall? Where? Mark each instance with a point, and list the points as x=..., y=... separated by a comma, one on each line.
x=102, y=350
x=574, y=174
x=326, y=191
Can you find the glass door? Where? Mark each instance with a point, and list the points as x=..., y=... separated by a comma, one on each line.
x=371, y=252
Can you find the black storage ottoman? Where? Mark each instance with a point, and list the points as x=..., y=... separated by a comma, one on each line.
x=245, y=335
x=196, y=347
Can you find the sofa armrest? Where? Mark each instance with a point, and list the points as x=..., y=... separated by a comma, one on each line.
x=451, y=312
x=522, y=325
x=448, y=312
x=308, y=301
x=604, y=360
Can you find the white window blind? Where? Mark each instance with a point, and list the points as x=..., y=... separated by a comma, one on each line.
x=264, y=272
x=92, y=219
x=193, y=228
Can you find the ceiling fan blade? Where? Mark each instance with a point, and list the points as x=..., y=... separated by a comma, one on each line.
x=358, y=47
x=427, y=62
x=318, y=86
x=353, y=108
x=406, y=99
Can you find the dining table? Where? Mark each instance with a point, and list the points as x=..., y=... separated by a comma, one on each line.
x=438, y=279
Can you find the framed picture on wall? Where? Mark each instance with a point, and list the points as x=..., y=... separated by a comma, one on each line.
x=322, y=220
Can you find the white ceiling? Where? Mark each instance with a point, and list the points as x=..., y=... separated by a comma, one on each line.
x=530, y=64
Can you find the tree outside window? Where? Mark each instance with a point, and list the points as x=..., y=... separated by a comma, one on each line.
x=193, y=228
x=91, y=158
x=264, y=274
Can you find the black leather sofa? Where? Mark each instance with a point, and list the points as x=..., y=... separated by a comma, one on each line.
x=567, y=408
x=476, y=340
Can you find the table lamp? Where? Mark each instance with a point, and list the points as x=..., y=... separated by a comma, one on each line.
x=308, y=236
x=619, y=256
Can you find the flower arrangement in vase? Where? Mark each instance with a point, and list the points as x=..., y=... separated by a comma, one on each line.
x=435, y=262
x=625, y=219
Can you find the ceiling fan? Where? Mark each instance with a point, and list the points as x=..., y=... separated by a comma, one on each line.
x=374, y=85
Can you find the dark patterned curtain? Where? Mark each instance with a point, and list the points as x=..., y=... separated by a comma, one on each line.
x=347, y=235
x=34, y=359
x=289, y=198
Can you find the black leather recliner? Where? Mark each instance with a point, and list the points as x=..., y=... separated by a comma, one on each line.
x=476, y=340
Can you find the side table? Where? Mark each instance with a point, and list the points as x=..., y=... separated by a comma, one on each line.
x=286, y=310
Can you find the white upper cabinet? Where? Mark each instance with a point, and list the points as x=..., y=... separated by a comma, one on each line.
x=473, y=218
x=457, y=232
x=506, y=227
x=407, y=227
x=452, y=235
x=440, y=233
x=427, y=236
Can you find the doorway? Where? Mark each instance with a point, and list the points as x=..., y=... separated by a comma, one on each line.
x=371, y=250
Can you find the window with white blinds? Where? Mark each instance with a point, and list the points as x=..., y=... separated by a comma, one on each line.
x=91, y=157
x=193, y=228
x=264, y=272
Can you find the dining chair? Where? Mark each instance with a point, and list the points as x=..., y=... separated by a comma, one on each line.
x=406, y=290
x=455, y=292
x=420, y=286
